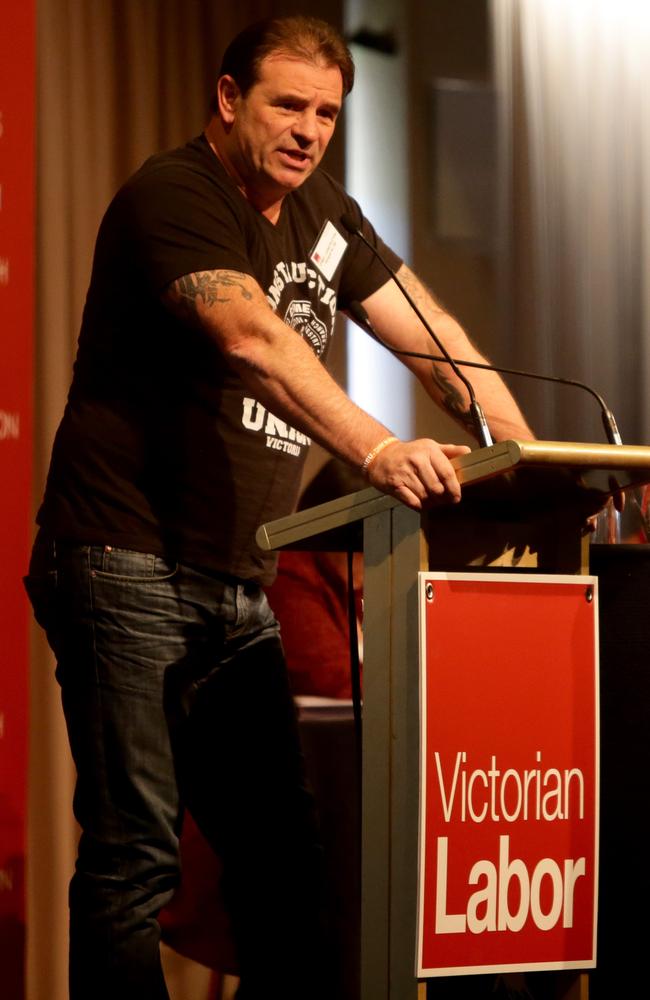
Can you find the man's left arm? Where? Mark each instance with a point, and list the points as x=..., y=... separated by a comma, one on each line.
x=396, y=323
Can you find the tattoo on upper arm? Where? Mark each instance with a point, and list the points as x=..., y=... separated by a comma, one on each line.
x=209, y=287
x=451, y=398
x=411, y=284
x=421, y=295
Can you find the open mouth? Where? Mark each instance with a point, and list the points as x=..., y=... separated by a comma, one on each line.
x=296, y=156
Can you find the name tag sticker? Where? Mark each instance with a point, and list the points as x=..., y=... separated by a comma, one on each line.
x=328, y=250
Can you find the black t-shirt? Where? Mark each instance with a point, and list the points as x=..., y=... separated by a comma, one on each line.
x=161, y=447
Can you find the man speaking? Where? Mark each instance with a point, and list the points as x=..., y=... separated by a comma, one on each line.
x=199, y=383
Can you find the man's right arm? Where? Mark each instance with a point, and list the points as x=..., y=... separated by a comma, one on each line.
x=280, y=369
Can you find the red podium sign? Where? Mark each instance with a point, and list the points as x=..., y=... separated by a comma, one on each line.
x=508, y=773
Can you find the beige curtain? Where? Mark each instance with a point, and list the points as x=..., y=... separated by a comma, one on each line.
x=118, y=80
x=575, y=209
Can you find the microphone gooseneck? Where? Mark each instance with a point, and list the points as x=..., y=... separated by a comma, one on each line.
x=360, y=316
x=475, y=409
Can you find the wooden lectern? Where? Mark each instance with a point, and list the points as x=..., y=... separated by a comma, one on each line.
x=524, y=505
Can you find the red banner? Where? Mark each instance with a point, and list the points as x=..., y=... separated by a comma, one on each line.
x=17, y=92
x=509, y=773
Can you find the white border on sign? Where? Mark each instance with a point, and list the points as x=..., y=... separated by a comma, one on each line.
x=538, y=578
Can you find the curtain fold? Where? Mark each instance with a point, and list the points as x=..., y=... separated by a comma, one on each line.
x=575, y=176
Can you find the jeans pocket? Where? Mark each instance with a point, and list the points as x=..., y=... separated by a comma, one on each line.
x=129, y=566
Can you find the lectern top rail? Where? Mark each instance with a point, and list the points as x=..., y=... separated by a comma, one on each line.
x=485, y=462
x=600, y=468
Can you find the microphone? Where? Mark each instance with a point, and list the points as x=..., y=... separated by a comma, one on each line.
x=361, y=317
x=475, y=409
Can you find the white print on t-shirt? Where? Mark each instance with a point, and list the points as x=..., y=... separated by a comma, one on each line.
x=279, y=435
x=301, y=317
x=292, y=273
x=328, y=250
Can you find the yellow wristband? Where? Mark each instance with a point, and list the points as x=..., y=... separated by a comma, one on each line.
x=372, y=455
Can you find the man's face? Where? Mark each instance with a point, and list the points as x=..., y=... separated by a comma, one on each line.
x=281, y=128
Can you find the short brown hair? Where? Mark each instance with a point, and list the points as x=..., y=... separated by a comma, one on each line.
x=308, y=38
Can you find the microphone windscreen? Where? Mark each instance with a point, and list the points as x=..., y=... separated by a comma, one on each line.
x=349, y=223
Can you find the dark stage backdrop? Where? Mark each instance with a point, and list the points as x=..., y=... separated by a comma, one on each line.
x=17, y=86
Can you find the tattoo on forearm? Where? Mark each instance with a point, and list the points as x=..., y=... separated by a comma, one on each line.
x=451, y=398
x=209, y=287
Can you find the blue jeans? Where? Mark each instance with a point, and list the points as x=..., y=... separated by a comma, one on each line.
x=175, y=691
